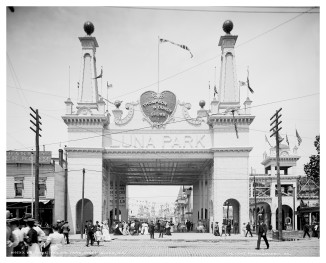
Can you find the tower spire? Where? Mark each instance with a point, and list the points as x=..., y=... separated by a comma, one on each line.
x=88, y=95
x=228, y=86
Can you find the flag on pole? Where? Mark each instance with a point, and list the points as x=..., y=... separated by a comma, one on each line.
x=287, y=140
x=108, y=85
x=248, y=85
x=235, y=124
x=173, y=43
x=100, y=76
x=215, y=91
x=267, y=141
x=298, y=137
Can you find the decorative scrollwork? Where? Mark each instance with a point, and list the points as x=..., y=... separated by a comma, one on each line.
x=130, y=107
x=186, y=115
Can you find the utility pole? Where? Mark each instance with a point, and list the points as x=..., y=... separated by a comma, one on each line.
x=275, y=131
x=294, y=196
x=32, y=203
x=66, y=188
x=82, y=208
x=255, y=202
x=37, y=124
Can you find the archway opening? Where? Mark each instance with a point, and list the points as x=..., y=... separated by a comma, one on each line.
x=231, y=214
x=264, y=214
x=116, y=213
x=88, y=213
x=287, y=216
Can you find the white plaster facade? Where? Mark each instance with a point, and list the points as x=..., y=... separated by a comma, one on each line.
x=102, y=142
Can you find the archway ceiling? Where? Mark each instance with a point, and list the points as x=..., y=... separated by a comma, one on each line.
x=158, y=171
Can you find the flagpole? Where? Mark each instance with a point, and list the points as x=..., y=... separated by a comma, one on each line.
x=247, y=81
x=214, y=80
x=158, y=64
x=101, y=80
x=107, y=97
x=209, y=91
x=69, y=81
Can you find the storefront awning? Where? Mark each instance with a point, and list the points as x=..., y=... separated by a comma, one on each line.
x=26, y=200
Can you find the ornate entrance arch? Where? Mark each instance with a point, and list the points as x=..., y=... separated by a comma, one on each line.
x=88, y=213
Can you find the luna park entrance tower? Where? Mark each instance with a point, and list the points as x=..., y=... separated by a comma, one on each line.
x=146, y=145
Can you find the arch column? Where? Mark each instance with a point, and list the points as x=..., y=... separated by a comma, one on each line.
x=92, y=162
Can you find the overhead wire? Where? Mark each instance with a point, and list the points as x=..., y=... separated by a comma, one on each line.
x=216, y=11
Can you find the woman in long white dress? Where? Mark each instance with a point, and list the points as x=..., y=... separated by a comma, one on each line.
x=56, y=240
x=106, y=232
x=145, y=228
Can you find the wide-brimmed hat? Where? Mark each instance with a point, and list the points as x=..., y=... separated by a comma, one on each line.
x=29, y=220
x=27, y=215
x=14, y=220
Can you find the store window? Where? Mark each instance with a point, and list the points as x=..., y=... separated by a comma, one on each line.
x=19, y=187
x=286, y=190
x=42, y=188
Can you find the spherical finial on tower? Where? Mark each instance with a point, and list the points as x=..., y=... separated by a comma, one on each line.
x=88, y=27
x=228, y=26
x=202, y=104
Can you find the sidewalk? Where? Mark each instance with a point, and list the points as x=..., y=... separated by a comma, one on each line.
x=177, y=236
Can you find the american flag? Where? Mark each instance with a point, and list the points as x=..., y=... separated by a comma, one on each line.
x=298, y=137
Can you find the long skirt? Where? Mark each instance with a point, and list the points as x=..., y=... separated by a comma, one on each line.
x=54, y=250
x=34, y=250
x=106, y=235
x=98, y=236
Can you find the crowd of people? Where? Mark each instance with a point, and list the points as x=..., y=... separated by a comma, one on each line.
x=25, y=237
x=136, y=227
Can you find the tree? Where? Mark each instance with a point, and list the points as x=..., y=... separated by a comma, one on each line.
x=312, y=168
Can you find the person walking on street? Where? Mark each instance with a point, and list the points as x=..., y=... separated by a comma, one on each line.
x=98, y=233
x=217, y=229
x=306, y=230
x=223, y=230
x=89, y=233
x=228, y=228
x=56, y=241
x=244, y=229
x=162, y=228
x=151, y=228
x=236, y=227
x=262, y=232
x=65, y=231
x=248, y=228
x=137, y=225
x=18, y=244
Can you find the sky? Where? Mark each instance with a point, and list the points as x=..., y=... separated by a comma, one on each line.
x=280, y=46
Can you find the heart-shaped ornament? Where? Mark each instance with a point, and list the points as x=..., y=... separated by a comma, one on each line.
x=158, y=107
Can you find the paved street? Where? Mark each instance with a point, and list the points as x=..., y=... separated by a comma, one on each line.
x=190, y=244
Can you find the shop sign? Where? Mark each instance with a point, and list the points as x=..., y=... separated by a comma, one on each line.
x=26, y=157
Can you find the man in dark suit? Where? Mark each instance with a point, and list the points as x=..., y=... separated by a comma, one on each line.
x=262, y=232
x=306, y=230
x=162, y=228
x=137, y=225
x=151, y=228
x=89, y=233
x=248, y=228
